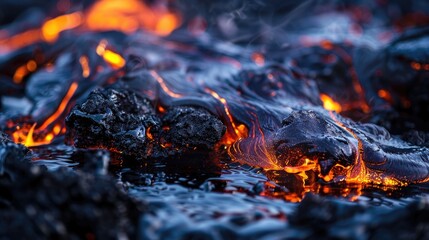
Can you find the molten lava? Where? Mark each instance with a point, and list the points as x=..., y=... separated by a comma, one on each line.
x=329, y=103
x=44, y=134
x=53, y=27
x=127, y=16
x=267, y=106
x=114, y=59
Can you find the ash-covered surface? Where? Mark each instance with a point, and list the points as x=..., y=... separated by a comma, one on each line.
x=214, y=120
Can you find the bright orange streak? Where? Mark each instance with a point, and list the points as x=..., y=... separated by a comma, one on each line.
x=114, y=59
x=20, y=40
x=52, y=28
x=86, y=71
x=28, y=140
x=20, y=73
x=385, y=95
x=62, y=106
x=359, y=173
x=163, y=85
x=416, y=66
x=23, y=70
x=308, y=165
x=239, y=130
x=329, y=103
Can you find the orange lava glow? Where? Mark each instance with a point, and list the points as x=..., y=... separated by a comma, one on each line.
x=86, y=71
x=164, y=86
x=384, y=94
x=28, y=140
x=358, y=172
x=114, y=59
x=24, y=70
x=27, y=136
x=239, y=131
x=20, y=40
x=53, y=27
x=329, y=103
x=306, y=166
x=258, y=59
x=126, y=16
x=419, y=66
x=62, y=107
x=130, y=15
x=416, y=66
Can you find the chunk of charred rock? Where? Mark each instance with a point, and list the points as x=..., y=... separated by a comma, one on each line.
x=116, y=119
x=311, y=135
x=40, y=204
x=329, y=139
x=190, y=129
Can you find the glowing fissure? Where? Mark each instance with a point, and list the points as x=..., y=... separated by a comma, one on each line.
x=239, y=131
x=27, y=136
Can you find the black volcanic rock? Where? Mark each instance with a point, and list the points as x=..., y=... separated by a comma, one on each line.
x=404, y=72
x=64, y=204
x=309, y=134
x=116, y=119
x=191, y=128
x=123, y=121
x=332, y=139
x=326, y=218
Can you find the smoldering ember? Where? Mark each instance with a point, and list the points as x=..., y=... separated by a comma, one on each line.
x=174, y=119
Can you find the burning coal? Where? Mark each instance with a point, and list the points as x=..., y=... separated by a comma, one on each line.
x=152, y=82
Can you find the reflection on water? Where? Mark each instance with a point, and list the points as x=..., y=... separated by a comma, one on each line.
x=196, y=198
x=201, y=173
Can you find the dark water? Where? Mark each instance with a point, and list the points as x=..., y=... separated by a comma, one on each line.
x=227, y=201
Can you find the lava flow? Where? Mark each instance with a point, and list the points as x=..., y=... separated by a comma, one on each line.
x=147, y=84
x=30, y=137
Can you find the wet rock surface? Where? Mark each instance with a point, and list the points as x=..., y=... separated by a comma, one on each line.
x=116, y=119
x=123, y=121
x=403, y=71
x=331, y=140
x=190, y=129
x=321, y=218
x=308, y=134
